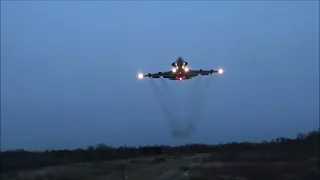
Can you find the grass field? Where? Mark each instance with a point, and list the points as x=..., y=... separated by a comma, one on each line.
x=196, y=167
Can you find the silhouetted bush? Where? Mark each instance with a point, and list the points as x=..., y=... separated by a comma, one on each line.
x=280, y=149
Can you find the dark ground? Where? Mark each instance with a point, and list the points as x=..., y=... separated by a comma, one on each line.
x=280, y=159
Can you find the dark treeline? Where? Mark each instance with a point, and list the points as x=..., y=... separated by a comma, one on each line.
x=305, y=145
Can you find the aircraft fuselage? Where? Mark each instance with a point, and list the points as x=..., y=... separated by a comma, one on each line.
x=181, y=68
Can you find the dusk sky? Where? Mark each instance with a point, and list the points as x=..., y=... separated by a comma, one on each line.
x=69, y=72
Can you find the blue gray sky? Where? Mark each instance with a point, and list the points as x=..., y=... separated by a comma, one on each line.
x=68, y=71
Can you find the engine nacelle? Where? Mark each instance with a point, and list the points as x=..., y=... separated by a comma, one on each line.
x=211, y=71
x=149, y=75
x=173, y=64
x=186, y=63
x=160, y=74
x=201, y=70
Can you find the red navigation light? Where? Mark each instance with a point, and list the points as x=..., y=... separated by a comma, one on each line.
x=180, y=78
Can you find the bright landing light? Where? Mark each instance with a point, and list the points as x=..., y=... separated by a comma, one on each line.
x=140, y=75
x=220, y=71
x=186, y=69
x=174, y=70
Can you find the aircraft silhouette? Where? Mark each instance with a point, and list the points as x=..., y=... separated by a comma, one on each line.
x=180, y=71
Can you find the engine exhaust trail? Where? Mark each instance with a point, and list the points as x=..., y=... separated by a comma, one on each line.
x=180, y=128
x=166, y=89
x=192, y=113
x=184, y=124
x=200, y=97
x=166, y=109
x=199, y=94
x=158, y=92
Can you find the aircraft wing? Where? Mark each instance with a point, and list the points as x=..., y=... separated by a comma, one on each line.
x=167, y=74
x=203, y=72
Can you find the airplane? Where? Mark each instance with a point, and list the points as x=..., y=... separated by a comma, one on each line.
x=180, y=71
